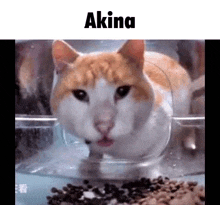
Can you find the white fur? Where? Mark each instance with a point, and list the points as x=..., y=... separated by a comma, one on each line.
x=139, y=128
x=78, y=117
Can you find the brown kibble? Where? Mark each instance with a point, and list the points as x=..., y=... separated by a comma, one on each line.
x=196, y=189
x=163, y=200
x=152, y=201
x=168, y=192
x=202, y=198
x=188, y=199
x=142, y=200
x=197, y=200
x=192, y=183
x=173, y=181
x=180, y=183
x=175, y=202
x=163, y=188
x=201, y=188
x=201, y=195
x=172, y=195
x=175, y=193
x=161, y=195
x=65, y=203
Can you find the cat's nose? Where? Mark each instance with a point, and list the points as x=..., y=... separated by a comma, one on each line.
x=104, y=126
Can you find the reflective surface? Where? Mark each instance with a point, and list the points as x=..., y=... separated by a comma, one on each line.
x=54, y=152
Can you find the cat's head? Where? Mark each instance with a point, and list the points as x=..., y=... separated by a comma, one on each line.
x=101, y=97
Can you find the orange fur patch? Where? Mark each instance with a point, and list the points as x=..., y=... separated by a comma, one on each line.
x=158, y=99
x=165, y=71
x=86, y=70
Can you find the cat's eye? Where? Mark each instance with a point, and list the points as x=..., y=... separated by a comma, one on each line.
x=122, y=92
x=81, y=95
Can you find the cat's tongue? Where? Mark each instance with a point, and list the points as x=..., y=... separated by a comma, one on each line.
x=105, y=142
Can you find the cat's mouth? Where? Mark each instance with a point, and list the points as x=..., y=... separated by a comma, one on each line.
x=105, y=142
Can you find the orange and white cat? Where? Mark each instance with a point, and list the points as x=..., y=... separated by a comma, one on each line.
x=120, y=102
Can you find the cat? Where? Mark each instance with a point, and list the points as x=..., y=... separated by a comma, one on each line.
x=33, y=82
x=121, y=102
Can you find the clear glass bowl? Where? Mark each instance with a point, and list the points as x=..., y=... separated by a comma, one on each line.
x=42, y=147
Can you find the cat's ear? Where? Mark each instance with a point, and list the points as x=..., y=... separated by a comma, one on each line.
x=134, y=50
x=63, y=54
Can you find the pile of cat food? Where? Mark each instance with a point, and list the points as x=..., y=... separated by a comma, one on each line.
x=158, y=191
